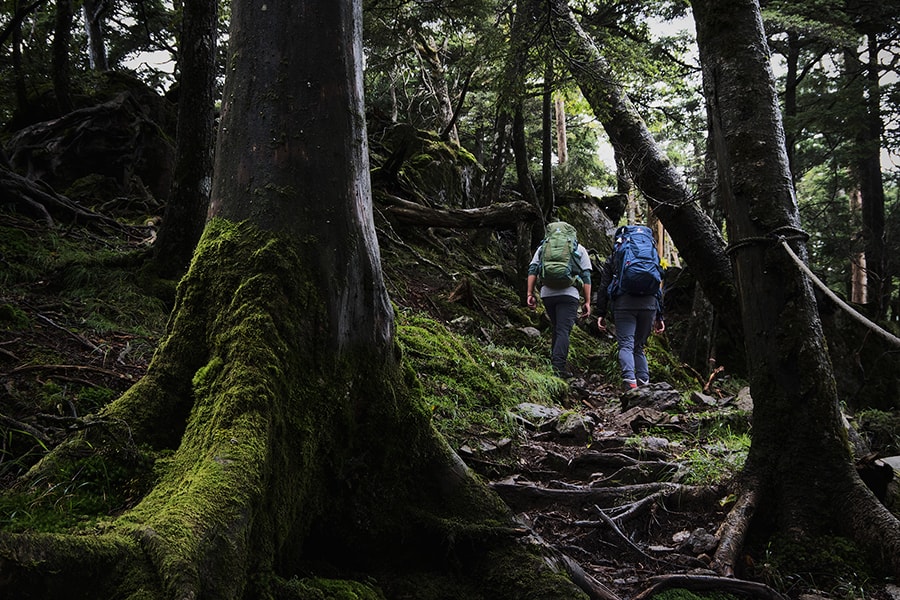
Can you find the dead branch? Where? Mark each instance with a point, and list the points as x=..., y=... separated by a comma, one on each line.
x=24, y=427
x=85, y=342
x=25, y=368
x=612, y=524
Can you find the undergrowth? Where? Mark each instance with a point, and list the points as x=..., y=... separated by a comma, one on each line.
x=471, y=386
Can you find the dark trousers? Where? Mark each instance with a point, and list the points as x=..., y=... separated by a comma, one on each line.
x=563, y=312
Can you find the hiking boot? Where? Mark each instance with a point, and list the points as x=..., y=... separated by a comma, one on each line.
x=629, y=384
x=641, y=382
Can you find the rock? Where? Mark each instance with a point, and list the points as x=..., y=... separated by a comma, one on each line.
x=656, y=444
x=538, y=412
x=698, y=541
x=744, y=401
x=701, y=398
x=658, y=396
x=573, y=427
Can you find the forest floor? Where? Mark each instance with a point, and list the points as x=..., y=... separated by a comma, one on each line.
x=625, y=508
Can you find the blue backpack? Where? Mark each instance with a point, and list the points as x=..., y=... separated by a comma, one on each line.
x=636, y=268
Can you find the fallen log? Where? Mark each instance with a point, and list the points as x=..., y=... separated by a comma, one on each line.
x=503, y=213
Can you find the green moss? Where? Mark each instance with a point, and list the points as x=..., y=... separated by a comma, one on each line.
x=327, y=589
x=882, y=429
x=12, y=317
x=82, y=484
x=682, y=594
x=827, y=562
x=469, y=386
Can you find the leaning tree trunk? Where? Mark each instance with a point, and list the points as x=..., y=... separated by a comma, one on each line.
x=186, y=210
x=799, y=460
x=698, y=240
x=285, y=452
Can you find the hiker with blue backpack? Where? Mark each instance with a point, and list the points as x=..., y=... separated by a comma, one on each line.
x=630, y=285
x=562, y=268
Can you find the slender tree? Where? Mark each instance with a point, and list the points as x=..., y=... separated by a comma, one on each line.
x=94, y=16
x=186, y=210
x=62, y=35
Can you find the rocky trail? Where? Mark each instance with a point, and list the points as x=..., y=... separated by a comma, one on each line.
x=619, y=508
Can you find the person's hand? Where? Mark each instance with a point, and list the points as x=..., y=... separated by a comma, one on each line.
x=586, y=309
x=531, y=301
x=601, y=323
x=659, y=326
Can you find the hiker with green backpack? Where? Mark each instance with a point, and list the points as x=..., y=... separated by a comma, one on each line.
x=562, y=268
x=630, y=284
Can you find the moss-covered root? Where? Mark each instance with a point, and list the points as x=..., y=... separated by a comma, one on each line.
x=41, y=566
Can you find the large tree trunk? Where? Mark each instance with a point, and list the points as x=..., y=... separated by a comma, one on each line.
x=188, y=203
x=799, y=458
x=291, y=448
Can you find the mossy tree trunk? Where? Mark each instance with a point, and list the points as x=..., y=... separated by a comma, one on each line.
x=287, y=453
x=800, y=461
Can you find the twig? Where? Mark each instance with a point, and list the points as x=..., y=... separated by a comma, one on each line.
x=621, y=534
x=25, y=368
x=85, y=342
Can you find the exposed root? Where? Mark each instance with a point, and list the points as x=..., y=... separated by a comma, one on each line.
x=704, y=583
x=528, y=496
x=733, y=531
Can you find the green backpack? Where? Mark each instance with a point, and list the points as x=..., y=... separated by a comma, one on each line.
x=559, y=258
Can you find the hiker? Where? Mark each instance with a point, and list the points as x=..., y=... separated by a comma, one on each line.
x=630, y=286
x=560, y=266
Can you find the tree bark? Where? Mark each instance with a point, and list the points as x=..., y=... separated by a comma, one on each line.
x=562, y=145
x=186, y=210
x=435, y=76
x=799, y=451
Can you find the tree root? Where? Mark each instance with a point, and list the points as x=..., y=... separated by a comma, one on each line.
x=733, y=531
x=43, y=203
x=528, y=496
x=705, y=583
